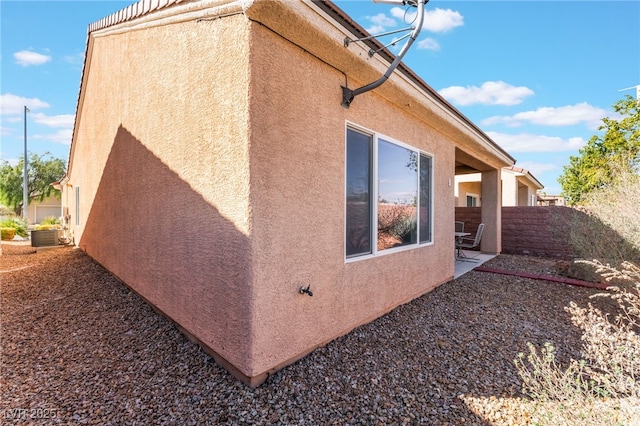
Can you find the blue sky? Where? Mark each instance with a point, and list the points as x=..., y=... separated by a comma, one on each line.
x=536, y=76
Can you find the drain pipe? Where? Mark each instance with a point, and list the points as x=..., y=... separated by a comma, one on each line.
x=348, y=95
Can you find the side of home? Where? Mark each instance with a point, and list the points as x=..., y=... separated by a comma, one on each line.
x=215, y=172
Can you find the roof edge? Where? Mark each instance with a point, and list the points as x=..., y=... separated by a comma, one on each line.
x=353, y=27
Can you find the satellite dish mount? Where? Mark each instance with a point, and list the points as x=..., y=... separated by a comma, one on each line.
x=347, y=94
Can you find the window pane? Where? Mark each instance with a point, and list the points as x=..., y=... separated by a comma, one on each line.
x=397, y=196
x=471, y=201
x=358, y=232
x=425, y=199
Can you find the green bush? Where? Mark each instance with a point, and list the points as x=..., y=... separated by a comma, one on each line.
x=50, y=220
x=16, y=223
x=45, y=227
x=7, y=233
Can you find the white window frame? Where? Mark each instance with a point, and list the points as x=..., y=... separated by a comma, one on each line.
x=376, y=136
x=474, y=196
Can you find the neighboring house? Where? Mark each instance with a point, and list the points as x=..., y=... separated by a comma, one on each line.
x=37, y=211
x=214, y=170
x=550, y=200
x=519, y=188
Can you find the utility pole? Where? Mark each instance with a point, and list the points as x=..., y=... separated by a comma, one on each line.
x=25, y=177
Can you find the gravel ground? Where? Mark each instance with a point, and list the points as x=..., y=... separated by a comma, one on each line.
x=78, y=347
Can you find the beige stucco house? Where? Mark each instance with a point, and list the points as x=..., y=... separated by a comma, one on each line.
x=214, y=170
x=37, y=210
x=519, y=188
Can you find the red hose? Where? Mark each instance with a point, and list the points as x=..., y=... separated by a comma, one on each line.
x=552, y=278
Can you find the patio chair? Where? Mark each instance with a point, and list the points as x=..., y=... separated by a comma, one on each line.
x=469, y=243
x=459, y=226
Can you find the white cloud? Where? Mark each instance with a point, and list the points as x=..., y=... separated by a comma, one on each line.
x=526, y=142
x=436, y=20
x=381, y=23
x=537, y=168
x=490, y=93
x=62, y=136
x=428, y=44
x=13, y=105
x=442, y=20
x=383, y=20
x=63, y=120
x=550, y=116
x=27, y=58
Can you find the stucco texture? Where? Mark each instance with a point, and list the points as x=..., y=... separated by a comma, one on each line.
x=161, y=159
x=298, y=205
x=210, y=157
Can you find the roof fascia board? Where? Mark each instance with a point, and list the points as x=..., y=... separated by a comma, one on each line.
x=180, y=11
x=534, y=181
x=524, y=174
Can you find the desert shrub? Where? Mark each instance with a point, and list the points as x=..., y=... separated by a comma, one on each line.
x=16, y=223
x=50, y=220
x=7, y=233
x=607, y=227
x=609, y=371
x=612, y=346
x=616, y=206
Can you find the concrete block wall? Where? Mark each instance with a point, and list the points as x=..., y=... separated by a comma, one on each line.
x=529, y=230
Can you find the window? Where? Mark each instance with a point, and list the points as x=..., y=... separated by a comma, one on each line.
x=77, y=206
x=472, y=200
x=388, y=190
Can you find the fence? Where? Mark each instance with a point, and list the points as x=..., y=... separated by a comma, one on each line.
x=533, y=231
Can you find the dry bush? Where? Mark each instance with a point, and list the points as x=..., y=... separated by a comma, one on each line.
x=607, y=225
x=612, y=345
x=617, y=207
x=605, y=384
x=591, y=238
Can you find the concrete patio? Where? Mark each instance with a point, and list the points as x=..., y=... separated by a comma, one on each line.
x=470, y=261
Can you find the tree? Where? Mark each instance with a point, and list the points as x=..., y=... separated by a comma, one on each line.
x=599, y=162
x=42, y=171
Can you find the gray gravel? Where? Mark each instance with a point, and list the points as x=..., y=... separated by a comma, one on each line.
x=78, y=347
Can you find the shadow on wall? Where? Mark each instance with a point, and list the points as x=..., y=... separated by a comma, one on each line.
x=150, y=228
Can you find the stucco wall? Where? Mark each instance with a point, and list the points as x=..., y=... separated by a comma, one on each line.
x=468, y=188
x=298, y=205
x=161, y=158
x=211, y=162
x=510, y=195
